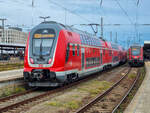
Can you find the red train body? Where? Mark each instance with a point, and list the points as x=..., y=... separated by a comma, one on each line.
x=135, y=55
x=56, y=54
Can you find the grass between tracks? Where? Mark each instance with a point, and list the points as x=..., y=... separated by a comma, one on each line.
x=74, y=100
x=128, y=99
x=7, y=91
x=11, y=66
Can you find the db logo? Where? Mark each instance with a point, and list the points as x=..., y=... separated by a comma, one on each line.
x=40, y=65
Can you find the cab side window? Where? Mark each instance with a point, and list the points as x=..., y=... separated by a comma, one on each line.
x=109, y=52
x=67, y=51
x=73, y=51
x=103, y=51
x=78, y=49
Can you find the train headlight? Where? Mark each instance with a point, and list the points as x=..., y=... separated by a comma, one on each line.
x=31, y=60
x=49, y=61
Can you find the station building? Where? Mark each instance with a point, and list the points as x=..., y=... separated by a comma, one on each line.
x=12, y=40
x=13, y=35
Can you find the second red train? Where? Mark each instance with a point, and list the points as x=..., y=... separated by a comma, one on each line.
x=135, y=55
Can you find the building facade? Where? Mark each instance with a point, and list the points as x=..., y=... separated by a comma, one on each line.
x=13, y=36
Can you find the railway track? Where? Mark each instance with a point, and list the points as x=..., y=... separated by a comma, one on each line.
x=12, y=82
x=117, y=106
x=105, y=103
x=12, y=103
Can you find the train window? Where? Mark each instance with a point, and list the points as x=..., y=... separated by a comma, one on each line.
x=73, y=51
x=103, y=51
x=90, y=40
x=93, y=50
x=109, y=52
x=78, y=49
x=67, y=52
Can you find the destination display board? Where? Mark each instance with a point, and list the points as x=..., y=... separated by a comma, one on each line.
x=44, y=35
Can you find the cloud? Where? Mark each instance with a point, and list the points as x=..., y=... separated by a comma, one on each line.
x=78, y=12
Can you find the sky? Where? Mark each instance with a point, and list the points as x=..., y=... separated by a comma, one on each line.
x=25, y=14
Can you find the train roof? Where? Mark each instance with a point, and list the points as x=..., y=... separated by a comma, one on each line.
x=84, y=35
x=135, y=45
x=86, y=38
x=114, y=46
x=66, y=27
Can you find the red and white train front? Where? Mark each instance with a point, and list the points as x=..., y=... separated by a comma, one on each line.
x=41, y=65
x=56, y=54
x=135, y=55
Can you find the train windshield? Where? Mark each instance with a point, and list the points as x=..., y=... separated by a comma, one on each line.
x=43, y=41
x=42, y=46
x=135, y=51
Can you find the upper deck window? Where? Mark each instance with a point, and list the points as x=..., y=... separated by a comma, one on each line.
x=90, y=40
x=114, y=46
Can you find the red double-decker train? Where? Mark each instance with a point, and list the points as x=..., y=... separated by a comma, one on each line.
x=56, y=54
x=135, y=55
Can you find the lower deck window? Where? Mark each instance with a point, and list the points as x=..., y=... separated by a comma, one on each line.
x=94, y=61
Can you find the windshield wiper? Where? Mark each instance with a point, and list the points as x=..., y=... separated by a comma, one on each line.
x=41, y=48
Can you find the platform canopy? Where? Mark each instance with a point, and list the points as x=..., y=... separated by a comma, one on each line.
x=146, y=44
x=12, y=45
x=11, y=48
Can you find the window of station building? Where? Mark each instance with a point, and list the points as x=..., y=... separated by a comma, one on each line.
x=67, y=52
x=78, y=49
x=73, y=51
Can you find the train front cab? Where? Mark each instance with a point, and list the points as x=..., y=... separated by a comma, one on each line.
x=135, y=56
x=46, y=66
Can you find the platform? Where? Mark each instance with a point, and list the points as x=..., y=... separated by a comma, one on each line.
x=11, y=75
x=141, y=101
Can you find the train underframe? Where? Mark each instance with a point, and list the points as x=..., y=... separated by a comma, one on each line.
x=46, y=78
x=136, y=62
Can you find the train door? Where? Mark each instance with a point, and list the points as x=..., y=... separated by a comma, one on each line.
x=112, y=56
x=82, y=58
x=101, y=57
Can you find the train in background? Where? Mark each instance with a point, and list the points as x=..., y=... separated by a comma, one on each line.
x=57, y=54
x=135, y=55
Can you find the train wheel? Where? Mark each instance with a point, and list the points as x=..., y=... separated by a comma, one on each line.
x=72, y=77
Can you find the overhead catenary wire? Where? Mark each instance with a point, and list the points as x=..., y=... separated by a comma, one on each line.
x=104, y=13
x=136, y=21
x=124, y=12
x=138, y=2
x=101, y=2
x=57, y=4
x=32, y=12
